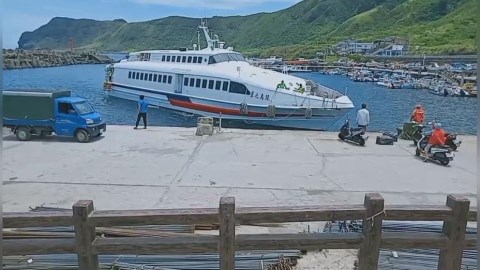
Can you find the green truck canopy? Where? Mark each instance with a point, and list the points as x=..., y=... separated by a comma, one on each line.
x=34, y=104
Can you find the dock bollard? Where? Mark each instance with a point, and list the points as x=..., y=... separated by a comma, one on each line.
x=204, y=126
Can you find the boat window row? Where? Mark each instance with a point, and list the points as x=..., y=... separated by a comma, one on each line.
x=182, y=59
x=204, y=83
x=225, y=57
x=232, y=87
x=150, y=77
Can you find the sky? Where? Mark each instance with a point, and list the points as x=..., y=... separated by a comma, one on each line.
x=27, y=15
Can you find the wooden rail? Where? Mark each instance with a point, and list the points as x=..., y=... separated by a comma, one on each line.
x=451, y=242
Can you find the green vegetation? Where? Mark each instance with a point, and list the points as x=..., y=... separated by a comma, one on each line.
x=311, y=26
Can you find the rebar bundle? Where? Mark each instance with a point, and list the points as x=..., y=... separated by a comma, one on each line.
x=245, y=260
x=407, y=259
x=120, y=231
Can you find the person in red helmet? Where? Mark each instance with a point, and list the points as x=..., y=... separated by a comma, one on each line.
x=436, y=138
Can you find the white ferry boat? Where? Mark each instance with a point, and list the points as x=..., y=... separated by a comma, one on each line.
x=218, y=82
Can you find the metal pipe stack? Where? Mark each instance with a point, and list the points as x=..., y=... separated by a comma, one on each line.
x=406, y=259
x=245, y=260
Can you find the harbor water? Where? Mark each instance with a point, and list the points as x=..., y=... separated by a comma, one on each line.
x=389, y=108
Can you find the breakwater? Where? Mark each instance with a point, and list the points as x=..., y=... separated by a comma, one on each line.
x=17, y=59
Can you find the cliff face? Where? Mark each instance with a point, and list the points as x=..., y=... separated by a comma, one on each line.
x=435, y=26
x=57, y=33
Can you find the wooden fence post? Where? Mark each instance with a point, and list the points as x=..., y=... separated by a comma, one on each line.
x=372, y=232
x=454, y=228
x=84, y=235
x=226, y=245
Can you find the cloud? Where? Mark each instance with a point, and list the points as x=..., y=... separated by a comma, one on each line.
x=214, y=4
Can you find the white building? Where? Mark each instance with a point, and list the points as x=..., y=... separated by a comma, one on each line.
x=353, y=46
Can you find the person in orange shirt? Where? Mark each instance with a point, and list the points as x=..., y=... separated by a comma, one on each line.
x=418, y=115
x=436, y=138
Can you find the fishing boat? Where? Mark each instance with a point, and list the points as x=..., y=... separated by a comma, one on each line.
x=218, y=82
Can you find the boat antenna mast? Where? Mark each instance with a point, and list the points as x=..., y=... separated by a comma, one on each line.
x=210, y=42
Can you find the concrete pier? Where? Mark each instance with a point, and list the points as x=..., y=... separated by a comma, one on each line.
x=165, y=167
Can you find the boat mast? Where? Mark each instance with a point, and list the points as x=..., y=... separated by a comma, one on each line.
x=198, y=39
x=206, y=34
x=210, y=41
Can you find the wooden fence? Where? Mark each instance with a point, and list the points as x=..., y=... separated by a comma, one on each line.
x=451, y=242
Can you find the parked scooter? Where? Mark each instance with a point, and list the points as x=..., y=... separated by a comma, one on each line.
x=355, y=135
x=440, y=154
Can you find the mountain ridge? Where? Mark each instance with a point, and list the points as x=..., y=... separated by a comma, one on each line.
x=434, y=26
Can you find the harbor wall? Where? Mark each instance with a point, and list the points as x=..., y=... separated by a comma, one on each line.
x=16, y=59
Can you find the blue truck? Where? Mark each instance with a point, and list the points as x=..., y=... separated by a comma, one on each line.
x=43, y=112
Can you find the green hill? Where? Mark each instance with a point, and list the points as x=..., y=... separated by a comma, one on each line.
x=432, y=26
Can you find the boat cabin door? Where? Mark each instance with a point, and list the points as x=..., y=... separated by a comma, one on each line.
x=179, y=83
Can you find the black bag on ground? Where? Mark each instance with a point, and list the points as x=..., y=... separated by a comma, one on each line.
x=384, y=140
x=395, y=137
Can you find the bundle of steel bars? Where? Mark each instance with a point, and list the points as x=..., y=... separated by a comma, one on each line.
x=245, y=260
x=406, y=259
x=120, y=231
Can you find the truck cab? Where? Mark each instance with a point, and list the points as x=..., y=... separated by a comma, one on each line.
x=43, y=112
x=73, y=114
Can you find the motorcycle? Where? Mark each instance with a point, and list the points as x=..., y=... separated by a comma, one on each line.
x=440, y=154
x=418, y=133
x=450, y=138
x=452, y=141
x=355, y=135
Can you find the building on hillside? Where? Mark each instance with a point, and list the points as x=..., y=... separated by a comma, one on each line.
x=353, y=46
x=392, y=50
x=390, y=46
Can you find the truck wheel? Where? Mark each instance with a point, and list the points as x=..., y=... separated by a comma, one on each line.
x=82, y=136
x=23, y=134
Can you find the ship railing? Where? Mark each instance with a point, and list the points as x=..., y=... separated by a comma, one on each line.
x=322, y=91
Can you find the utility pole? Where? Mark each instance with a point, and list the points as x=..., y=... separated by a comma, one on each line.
x=71, y=43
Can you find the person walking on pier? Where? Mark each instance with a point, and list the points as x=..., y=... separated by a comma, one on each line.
x=363, y=117
x=142, y=112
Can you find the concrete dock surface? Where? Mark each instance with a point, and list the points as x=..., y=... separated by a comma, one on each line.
x=167, y=167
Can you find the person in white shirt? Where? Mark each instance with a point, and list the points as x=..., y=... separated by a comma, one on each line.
x=363, y=117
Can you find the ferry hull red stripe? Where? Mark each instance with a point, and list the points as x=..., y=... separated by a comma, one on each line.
x=208, y=108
